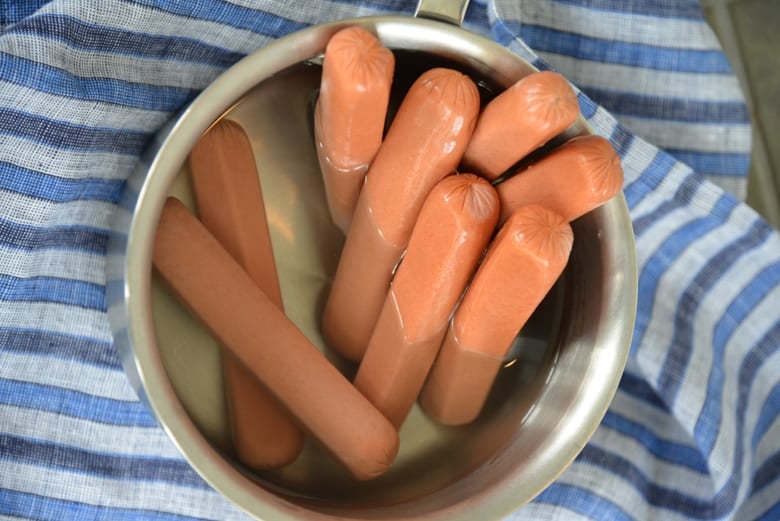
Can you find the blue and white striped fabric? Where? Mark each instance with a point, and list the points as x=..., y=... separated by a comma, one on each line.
x=654, y=65
x=694, y=431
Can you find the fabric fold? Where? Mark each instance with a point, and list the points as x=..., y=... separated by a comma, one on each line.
x=694, y=430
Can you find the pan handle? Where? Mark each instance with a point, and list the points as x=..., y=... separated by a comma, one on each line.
x=450, y=11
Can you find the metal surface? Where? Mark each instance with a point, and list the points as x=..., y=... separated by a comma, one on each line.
x=545, y=407
x=450, y=11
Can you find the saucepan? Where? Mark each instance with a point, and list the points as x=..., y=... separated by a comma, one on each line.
x=549, y=397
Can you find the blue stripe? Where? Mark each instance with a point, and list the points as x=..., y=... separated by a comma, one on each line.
x=671, y=249
x=502, y=34
x=51, y=289
x=688, y=9
x=773, y=514
x=587, y=108
x=682, y=197
x=750, y=365
x=682, y=455
x=725, y=499
x=42, y=508
x=102, y=465
x=650, y=180
x=74, y=403
x=12, y=12
x=656, y=495
x=387, y=6
x=90, y=37
x=255, y=20
x=57, y=189
x=476, y=13
x=621, y=140
x=545, y=39
x=70, y=136
x=714, y=163
x=582, y=501
x=770, y=412
x=706, y=429
x=678, y=355
x=57, y=345
x=766, y=474
x=685, y=110
x=637, y=387
x=25, y=237
x=60, y=82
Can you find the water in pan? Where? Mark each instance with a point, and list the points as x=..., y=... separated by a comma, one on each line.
x=277, y=117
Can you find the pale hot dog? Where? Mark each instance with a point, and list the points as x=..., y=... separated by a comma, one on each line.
x=357, y=74
x=230, y=204
x=448, y=240
x=520, y=120
x=206, y=278
x=572, y=180
x=522, y=264
x=425, y=142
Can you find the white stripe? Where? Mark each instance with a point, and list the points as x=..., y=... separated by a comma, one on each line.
x=616, y=490
x=666, y=474
x=642, y=81
x=768, y=445
x=760, y=502
x=65, y=264
x=662, y=424
x=67, y=374
x=80, y=433
x=677, y=279
x=638, y=157
x=317, y=11
x=745, y=336
x=544, y=512
x=519, y=47
x=656, y=31
x=58, y=318
x=693, y=389
x=32, y=211
x=70, y=164
x=697, y=373
x=652, y=351
x=602, y=121
x=736, y=185
x=679, y=135
x=94, y=64
x=146, y=20
x=650, y=203
x=764, y=381
x=119, y=493
x=660, y=229
x=82, y=112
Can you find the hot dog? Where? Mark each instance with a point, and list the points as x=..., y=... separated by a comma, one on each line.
x=449, y=238
x=230, y=204
x=357, y=73
x=572, y=180
x=522, y=264
x=425, y=142
x=206, y=278
x=520, y=120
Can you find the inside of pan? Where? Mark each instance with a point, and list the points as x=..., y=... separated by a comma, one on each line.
x=277, y=116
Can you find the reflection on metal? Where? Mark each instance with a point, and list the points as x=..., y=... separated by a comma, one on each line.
x=451, y=11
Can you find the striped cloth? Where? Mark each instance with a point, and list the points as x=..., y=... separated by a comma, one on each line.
x=694, y=430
